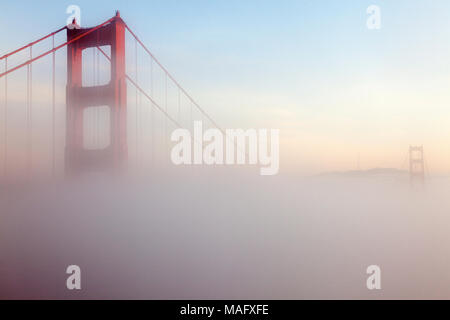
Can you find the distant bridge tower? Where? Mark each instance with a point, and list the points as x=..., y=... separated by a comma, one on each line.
x=113, y=95
x=416, y=165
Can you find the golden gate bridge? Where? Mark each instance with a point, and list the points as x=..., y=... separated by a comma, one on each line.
x=98, y=129
x=103, y=117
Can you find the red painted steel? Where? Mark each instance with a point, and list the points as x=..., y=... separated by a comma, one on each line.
x=113, y=94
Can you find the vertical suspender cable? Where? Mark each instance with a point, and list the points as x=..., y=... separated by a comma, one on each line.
x=93, y=115
x=5, y=122
x=30, y=114
x=97, y=82
x=165, y=118
x=136, y=109
x=28, y=121
x=26, y=114
x=152, y=115
x=179, y=106
x=97, y=113
x=93, y=110
x=53, y=107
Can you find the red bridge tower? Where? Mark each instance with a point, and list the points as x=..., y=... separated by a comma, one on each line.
x=416, y=165
x=113, y=95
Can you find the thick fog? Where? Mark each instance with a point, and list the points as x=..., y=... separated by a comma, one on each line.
x=230, y=234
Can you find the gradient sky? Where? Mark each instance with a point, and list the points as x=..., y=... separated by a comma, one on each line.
x=310, y=68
